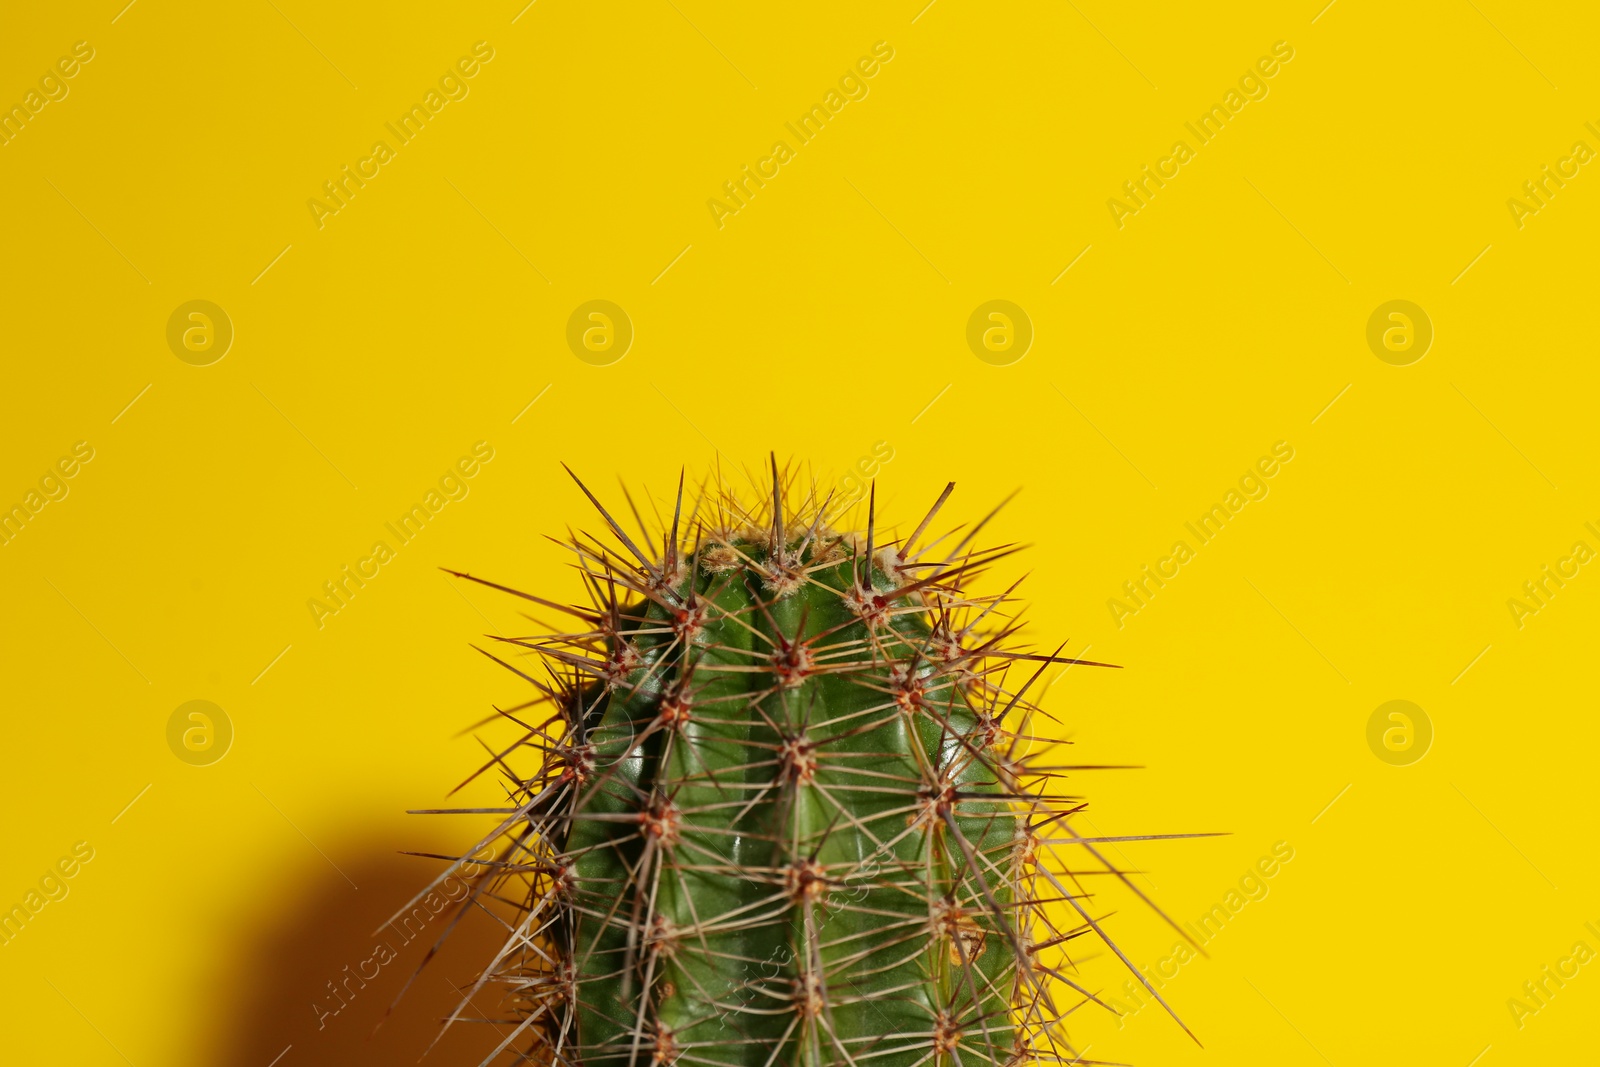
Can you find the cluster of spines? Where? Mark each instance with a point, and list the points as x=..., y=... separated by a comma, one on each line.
x=930, y=651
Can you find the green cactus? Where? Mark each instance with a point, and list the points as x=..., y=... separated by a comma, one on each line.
x=779, y=816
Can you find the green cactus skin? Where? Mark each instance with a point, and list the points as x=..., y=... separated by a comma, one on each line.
x=785, y=790
x=780, y=818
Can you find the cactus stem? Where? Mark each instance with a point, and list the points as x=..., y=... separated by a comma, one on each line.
x=778, y=813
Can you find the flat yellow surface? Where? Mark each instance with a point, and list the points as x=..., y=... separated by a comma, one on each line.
x=1177, y=338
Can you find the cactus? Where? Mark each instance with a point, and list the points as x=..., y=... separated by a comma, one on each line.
x=779, y=814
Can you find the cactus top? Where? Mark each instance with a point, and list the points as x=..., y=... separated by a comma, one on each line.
x=781, y=818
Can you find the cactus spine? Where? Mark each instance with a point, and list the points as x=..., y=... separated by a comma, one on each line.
x=779, y=815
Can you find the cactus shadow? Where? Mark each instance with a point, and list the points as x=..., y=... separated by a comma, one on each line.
x=282, y=998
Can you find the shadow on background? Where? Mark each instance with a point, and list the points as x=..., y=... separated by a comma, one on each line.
x=284, y=969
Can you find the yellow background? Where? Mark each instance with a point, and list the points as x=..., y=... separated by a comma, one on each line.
x=822, y=318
